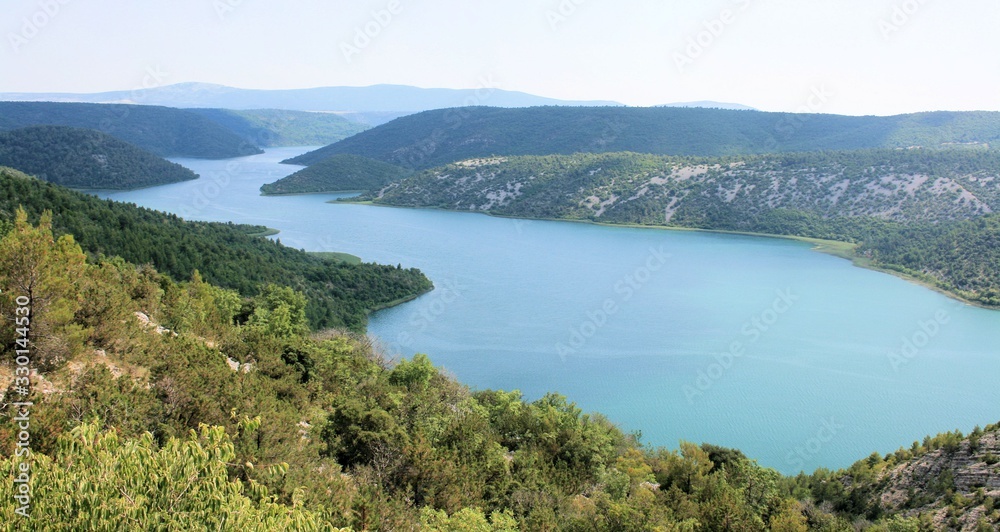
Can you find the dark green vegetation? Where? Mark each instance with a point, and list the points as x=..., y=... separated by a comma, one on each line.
x=961, y=257
x=161, y=130
x=905, y=208
x=434, y=138
x=183, y=406
x=84, y=158
x=336, y=174
x=274, y=127
x=340, y=294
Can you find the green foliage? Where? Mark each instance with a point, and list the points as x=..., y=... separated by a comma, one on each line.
x=962, y=257
x=277, y=127
x=922, y=213
x=235, y=419
x=163, y=131
x=280, y=312
x=47, y=273
x=416, y=373
x=466, y=520
x=82, y=158
x=339, y=294
x=781, y=193
x=338, y=173
x=439, y=137
x=99, y=481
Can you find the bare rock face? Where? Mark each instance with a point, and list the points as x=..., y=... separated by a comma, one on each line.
x=958, y=484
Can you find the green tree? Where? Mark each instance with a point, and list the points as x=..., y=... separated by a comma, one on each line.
x=48, y=273
x=280, y=311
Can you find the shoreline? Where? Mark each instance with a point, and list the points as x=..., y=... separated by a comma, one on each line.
x=400, y=301
x=277, y=194
x=836, y=248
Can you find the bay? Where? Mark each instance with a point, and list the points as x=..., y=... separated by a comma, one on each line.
x=799, y=359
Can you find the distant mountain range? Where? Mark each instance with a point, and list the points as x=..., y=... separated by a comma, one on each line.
x=706, y=104
x=202, y=132
x=373, y=105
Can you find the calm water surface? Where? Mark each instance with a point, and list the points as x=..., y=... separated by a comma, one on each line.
x=798, y=358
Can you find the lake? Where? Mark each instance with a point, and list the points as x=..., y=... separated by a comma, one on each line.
x=799, y=359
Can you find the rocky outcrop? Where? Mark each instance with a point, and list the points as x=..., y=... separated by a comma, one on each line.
x=958, y=484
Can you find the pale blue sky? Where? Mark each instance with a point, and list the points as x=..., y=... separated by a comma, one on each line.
x=771, y=54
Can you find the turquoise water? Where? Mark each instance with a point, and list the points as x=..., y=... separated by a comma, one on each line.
x=798, y=358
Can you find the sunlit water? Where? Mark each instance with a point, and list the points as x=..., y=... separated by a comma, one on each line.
x=798, y=358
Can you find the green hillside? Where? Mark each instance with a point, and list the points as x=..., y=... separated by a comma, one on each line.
x=275, y=127
x=907, y=208
x=163, y=131
x=336, y=174
x=434, y=138
x=340, y=294
x=83, y=158
x=172, y=405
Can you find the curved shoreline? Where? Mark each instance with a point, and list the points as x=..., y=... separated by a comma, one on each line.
x=836, y=248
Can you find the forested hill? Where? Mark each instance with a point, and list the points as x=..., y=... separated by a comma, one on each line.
x=340, y=294
x=274, y=127
x=173, y=405
x=336, y=174
x=84, y=158
x=930, y=214
x=434, y=138
x=163, y=131
x=901, y=185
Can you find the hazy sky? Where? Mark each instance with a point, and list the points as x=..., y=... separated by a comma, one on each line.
x=836, y=56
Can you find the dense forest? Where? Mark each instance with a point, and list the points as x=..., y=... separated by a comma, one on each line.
x=904, y=207
x=276, y=127
x=163, y=131
x=175, y=404
x=901, y=185
x=435, y=138
x=961, y=257
x=339, y=294
x=84, y=158
x=336, y=174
